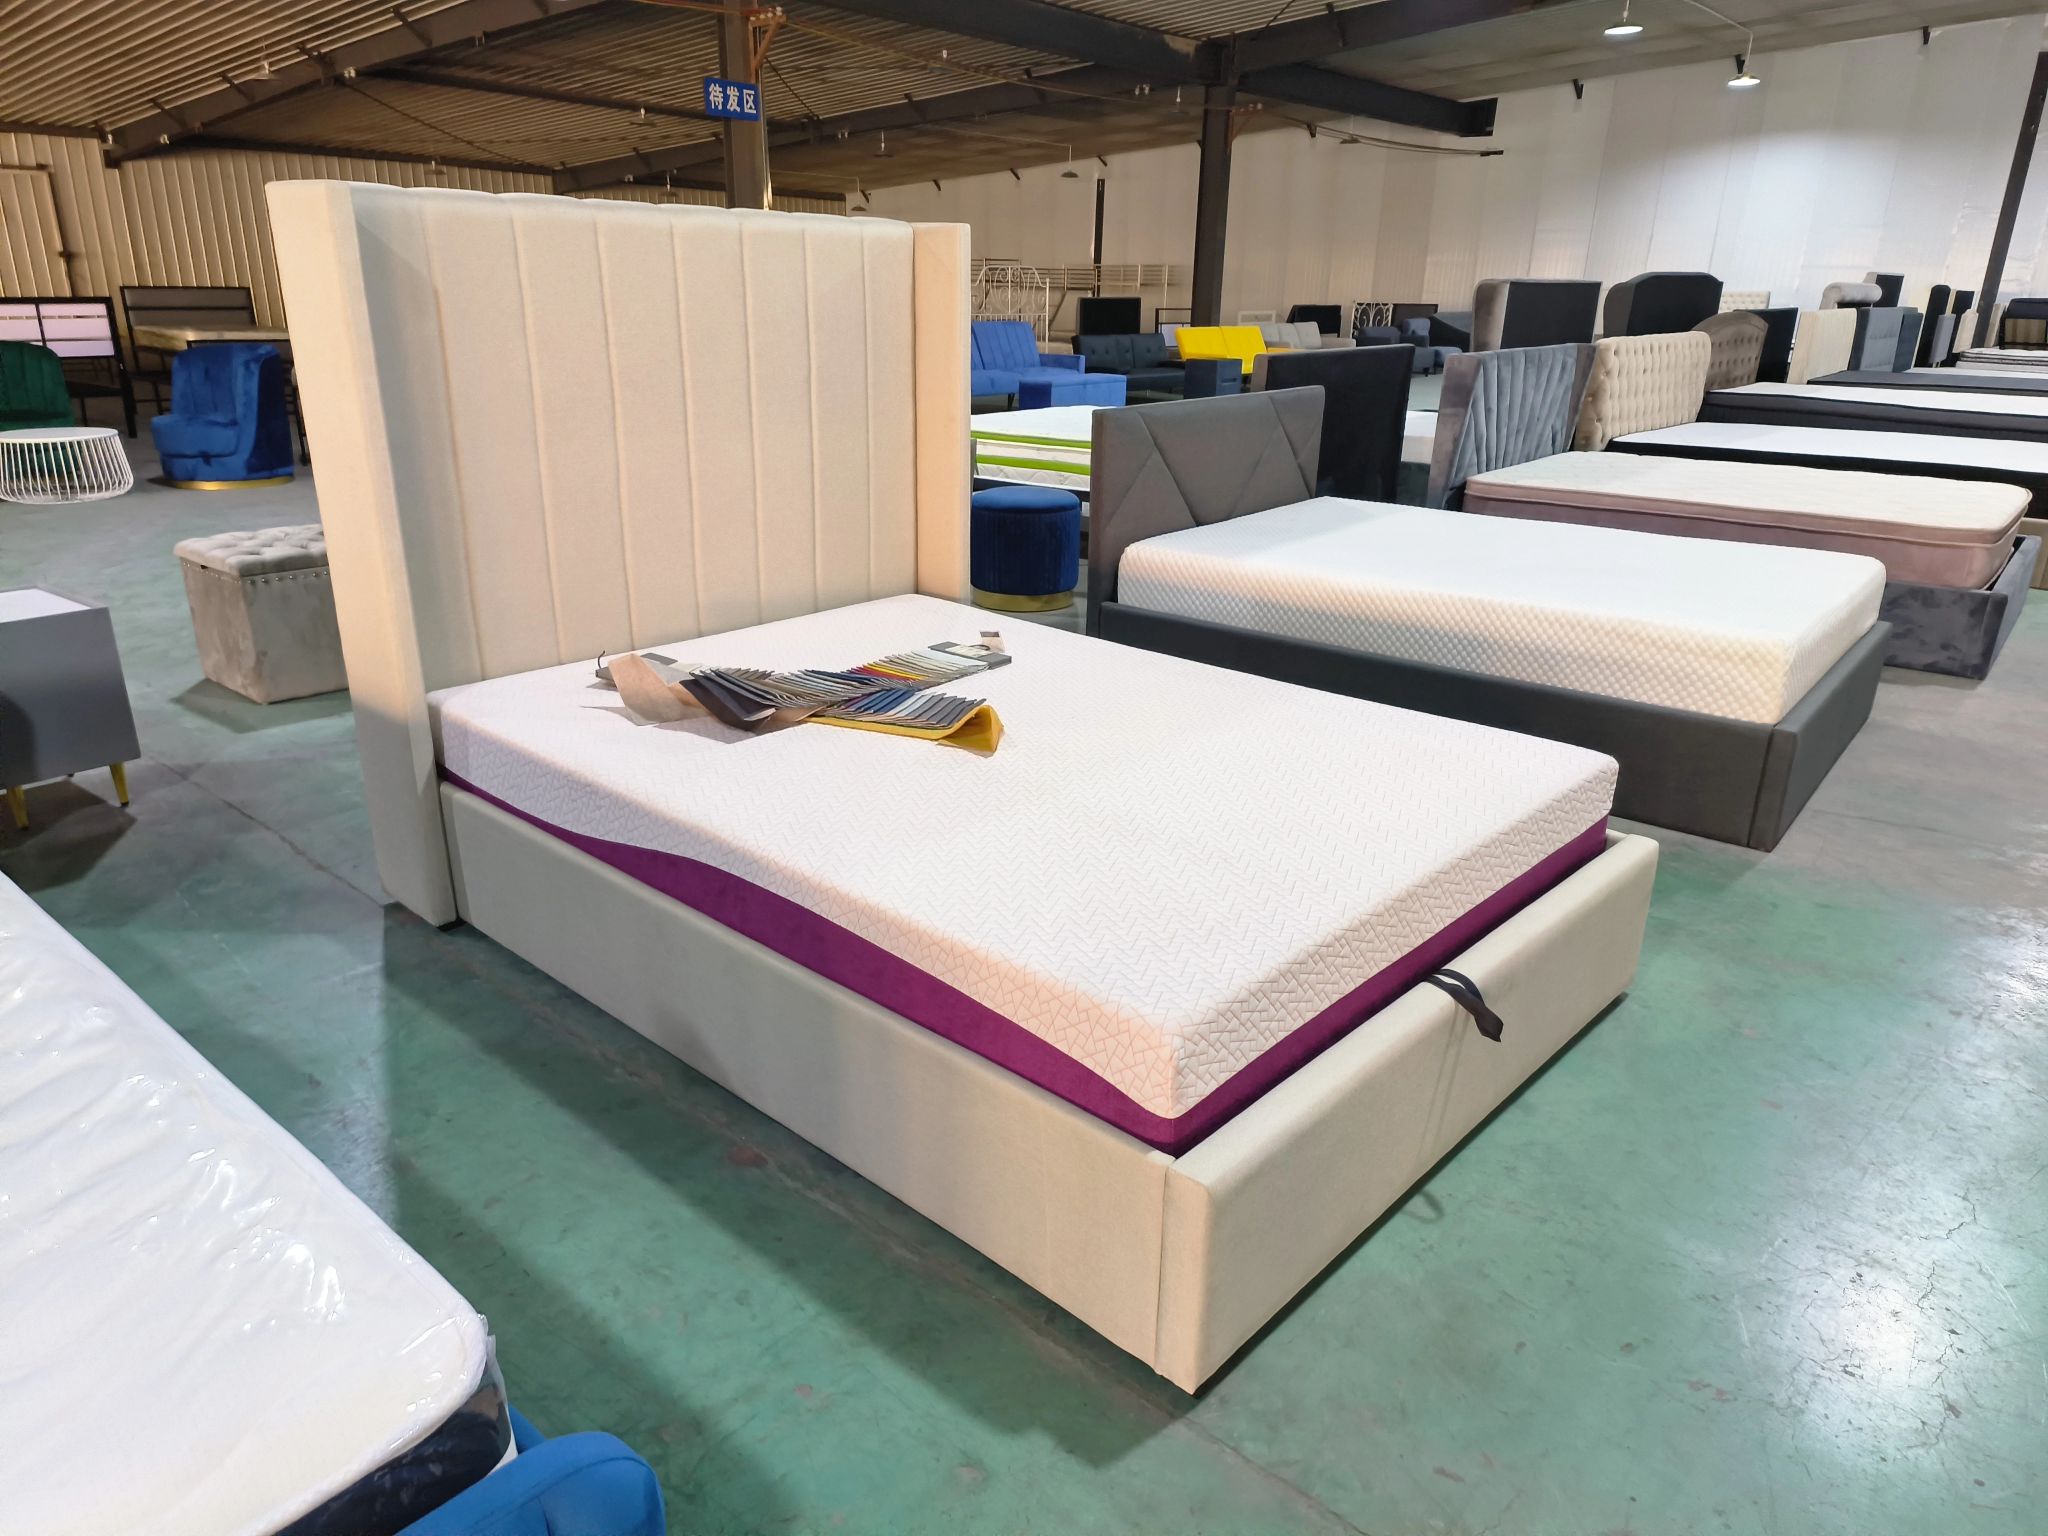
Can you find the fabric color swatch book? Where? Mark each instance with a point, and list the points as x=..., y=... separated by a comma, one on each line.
x=889, y=695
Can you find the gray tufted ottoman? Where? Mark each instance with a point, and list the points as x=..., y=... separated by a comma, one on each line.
x=263, y=612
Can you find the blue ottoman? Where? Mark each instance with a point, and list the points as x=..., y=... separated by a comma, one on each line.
x=1060, y=387
x=1024, y=548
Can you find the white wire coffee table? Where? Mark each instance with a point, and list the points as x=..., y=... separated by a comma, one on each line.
x=53, y=464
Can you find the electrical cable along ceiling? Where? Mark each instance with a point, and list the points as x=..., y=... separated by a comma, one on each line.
x=858, y=93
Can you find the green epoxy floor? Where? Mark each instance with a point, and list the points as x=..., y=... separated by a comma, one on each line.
x=1767, y=1250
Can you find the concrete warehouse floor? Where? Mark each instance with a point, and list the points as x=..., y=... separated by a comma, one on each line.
x=1767, y=1250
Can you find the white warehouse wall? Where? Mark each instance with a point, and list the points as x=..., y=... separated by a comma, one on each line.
x=1880, y=154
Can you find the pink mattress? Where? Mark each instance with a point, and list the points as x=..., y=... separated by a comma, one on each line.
x=1933, y=532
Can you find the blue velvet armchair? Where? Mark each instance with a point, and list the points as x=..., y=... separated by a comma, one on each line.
x=574, y=1485
x=1005, y=353
x=227, y=421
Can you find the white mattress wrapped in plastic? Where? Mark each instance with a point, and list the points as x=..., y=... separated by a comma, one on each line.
x=205, y=1333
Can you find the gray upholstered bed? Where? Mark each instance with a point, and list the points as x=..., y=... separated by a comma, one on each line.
x=1157, y=478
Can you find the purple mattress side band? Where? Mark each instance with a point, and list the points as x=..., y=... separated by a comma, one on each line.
x=820, y=945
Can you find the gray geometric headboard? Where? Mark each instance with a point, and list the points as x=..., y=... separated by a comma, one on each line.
x=1157, y=469
x=1500, y=409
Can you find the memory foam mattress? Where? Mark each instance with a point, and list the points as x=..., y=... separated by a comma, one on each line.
x=1261, y=866
x=2023, y=417
x=1950, y=533
x=1736, y=630
x=207, y=1334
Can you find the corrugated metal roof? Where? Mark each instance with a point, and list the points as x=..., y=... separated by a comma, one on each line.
x=824, y=62
x=1204, y=18
x=407, y=119
x=110, y=61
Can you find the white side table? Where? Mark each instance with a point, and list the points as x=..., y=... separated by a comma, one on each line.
x=53, y=464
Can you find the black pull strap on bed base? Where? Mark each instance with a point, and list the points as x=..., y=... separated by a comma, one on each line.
x=1464, y=991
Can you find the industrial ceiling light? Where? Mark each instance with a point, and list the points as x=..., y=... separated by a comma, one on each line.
x=1624, y=27
x=1070, y=174
x=1742, y=79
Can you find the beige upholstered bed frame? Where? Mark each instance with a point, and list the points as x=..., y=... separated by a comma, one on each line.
x=1642, y=383
x=552, y=428
x=549, y=428
x=1823, y=344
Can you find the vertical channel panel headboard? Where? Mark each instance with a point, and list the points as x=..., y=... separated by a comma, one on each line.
x=550, y=427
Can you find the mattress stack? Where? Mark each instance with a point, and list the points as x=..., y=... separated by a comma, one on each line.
x=2004, y=359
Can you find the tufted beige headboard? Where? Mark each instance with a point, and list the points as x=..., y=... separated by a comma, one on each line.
x=1642, y=383
x=1823, y=344
x=551, y=427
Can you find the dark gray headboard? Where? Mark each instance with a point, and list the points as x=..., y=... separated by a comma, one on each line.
x=1160, y=468
x=1504, y=408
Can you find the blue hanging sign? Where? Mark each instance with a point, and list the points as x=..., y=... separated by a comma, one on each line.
x=732, y=98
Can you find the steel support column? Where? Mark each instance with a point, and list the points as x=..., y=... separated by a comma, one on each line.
x=746, y=144
x=2009, y=210
x=1212, y=203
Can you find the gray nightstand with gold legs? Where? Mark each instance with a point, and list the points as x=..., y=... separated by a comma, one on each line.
x=63, y=701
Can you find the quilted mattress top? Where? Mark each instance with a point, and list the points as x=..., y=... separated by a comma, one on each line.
x=1736, y=630
x=1914, y=507
x=207, y=1334
x=1930, y=450
x=1164, y=871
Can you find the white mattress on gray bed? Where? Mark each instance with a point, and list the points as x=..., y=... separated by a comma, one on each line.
x=1741, y=631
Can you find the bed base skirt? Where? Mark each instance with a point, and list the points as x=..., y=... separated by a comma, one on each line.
x=1732, y=780
x=1177, y=1260
x=1958, y=631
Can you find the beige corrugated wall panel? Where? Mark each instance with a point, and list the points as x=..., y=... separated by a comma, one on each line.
x=88, y=215
x=31, y=259
x=200, y=217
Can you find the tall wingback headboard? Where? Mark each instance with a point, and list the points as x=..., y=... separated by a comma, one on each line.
x=551, y=427
x=1641, y=384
